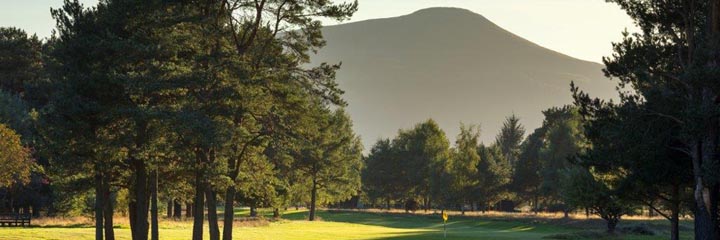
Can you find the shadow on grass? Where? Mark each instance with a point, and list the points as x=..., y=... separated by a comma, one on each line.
x=458, y=227
x=75, y=225
x=474, y=227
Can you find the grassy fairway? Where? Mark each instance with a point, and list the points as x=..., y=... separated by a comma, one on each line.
x=336, y=226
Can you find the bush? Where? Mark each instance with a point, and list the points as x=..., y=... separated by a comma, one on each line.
x=411, y=205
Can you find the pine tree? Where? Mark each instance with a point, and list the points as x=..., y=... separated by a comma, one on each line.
x=509, y=139
x=671, y=64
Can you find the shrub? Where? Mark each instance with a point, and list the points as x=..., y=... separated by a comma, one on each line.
x=411, y=205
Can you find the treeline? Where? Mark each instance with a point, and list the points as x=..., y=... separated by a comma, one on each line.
x=575, y=162
x=420, y=169
x=137, y=106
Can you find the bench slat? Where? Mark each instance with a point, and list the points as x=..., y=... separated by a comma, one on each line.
x=11, y=220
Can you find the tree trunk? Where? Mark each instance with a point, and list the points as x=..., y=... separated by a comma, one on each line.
x=154, y=205
x=429, y=204
x=313, y=200
x=253, y=211
x=189, y=210
x=199, y=205
x=424, y=204
x=675, y=226
x=675, y=213
x=99, y=205
x=170, y=205
x=132, y=211
x=109, y=230
x=140, y=189
x=229, y=214
x=109, y=211
x=704, y=151
x=705, y=227
x=276, y=213
x=212, y=214
x=611, y=224
x=587, y=212
x=34, y=210
x=177, y=210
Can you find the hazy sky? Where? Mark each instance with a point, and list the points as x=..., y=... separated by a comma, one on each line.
x=580, y=28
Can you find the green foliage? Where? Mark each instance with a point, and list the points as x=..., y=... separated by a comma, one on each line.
x=563, y=141
x=425, y=151
x=526, y=177
x=330, y=157
x=653, y=168
x=672, y=80
x=21, y=63
x=580, y=188
x=463, y=169
x=198, y=90
x=509, y=139
x=545, y=154
x=384, y=176
x=494, y=175
x=15, y=113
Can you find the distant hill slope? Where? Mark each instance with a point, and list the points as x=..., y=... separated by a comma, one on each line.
x=451, y=65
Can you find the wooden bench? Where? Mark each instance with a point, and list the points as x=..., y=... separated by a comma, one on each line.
x=14, y=220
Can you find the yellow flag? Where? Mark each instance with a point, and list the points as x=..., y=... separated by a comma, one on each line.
x=445, y=217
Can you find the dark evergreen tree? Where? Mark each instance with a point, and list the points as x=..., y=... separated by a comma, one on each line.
x=425, y=150
x=493, y=174
x=384, y=176
x=671, y=64
x=21, y=64
x=526, y=177
x=656, y=174
x=581, y=187
x=509, y=139
x=563, y=140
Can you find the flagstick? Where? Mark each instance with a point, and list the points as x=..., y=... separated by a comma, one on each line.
x=445, y=218
x=444, y=229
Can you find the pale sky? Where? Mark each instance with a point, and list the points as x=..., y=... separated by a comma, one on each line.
x=580, y=28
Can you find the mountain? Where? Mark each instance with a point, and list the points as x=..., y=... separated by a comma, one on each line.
x=451, y=65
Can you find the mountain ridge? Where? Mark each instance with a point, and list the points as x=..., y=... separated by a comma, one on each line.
x=452, y=65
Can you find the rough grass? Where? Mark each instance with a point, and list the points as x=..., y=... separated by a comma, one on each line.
x=374, y=225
